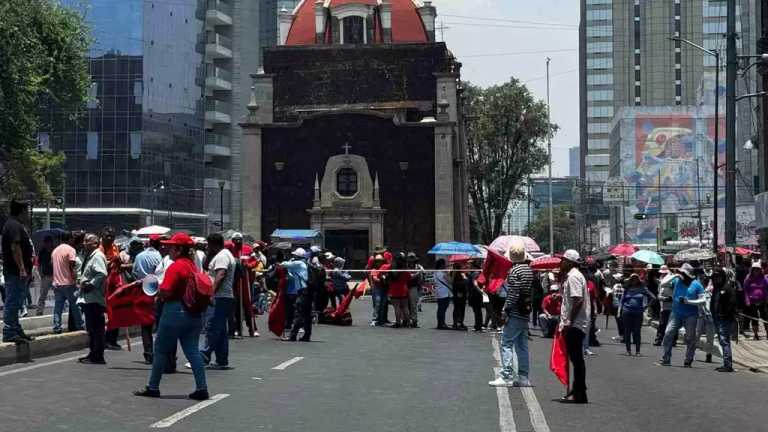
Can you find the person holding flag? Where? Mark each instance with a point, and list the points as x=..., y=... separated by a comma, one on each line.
x=574, y=323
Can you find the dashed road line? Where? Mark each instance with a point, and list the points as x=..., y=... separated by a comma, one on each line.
x=285, y=364
x=538, y=420
x=506, y=418
x=171, y=420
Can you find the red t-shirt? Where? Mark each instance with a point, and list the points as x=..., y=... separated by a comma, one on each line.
x=176, y=277
x=398, y=284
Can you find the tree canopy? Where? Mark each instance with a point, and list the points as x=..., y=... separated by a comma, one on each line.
x=506, y=132
x=564, y=227
x=43, y=64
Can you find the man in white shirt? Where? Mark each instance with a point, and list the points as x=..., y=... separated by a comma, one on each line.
x=221, y=268
x=574, y=323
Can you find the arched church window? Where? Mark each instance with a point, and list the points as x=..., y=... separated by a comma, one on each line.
x=353, y=30
x=346, y=182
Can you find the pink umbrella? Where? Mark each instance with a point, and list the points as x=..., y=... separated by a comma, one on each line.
x=623, y=250
x=503, y=243
x=460, y=258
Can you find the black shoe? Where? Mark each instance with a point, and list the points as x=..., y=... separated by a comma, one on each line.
x=304, y=339
x=688, y=364
x=725, y=369
x=442, y=327
x=113, y=347
x=199, y=395
x=14, y=339
x=663, y=363
x=88, y=360
x=709, y=358
x=573, y=400
x=58, y=331
x=25, y=337
x=148, y=358
x=147, y=393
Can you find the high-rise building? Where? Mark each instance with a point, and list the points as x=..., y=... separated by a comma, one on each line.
x=574, y=162
x=628, y=59
x=135, y=156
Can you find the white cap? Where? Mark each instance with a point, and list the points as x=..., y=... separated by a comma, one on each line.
x=687, y=269
x=315, y=249
x=329, y=256
x=664, y=269
x=300, y=252
x=572, y=256
x=237, y=236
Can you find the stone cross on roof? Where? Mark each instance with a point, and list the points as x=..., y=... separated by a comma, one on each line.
x=346, y=148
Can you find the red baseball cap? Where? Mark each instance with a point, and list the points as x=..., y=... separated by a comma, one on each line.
x=179, y=239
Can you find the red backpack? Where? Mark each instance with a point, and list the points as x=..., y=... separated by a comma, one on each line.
x=198, y=294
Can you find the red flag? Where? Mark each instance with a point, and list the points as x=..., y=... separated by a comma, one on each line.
x=277, y=312
x=558, y=359
x=128, y=306
x=344, y=305
x=495, y=269
x=360, y=289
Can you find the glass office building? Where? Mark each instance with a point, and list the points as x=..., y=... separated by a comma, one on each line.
x=136, y=155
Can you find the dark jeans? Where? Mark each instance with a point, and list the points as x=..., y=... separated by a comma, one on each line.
x=633, y=324
x=15, y=290
x=477, y=310
x=303, y=317
x=723, y=328
x=94, y=325
x=176, y=326
x=290, y=310
x=574, y=338
x=146, y=340
x=442, y=307
x=241, y=312
x=620, y=326
x=380, y=305
x=216, y=338
x=663, y=321
x=459, y=310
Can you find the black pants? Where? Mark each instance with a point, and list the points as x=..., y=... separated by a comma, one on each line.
x=302, y=317
x=442, y=307
x=94, y=325
x=459, y=310
x=663, y=321
x=593, y=331
x=477, y=310
x=760, y=311
x=620, y=326
x=111, y=336
x=536, y=311
x=146, y=341
x=290, y=310
x=574, y=339
x=633, y=324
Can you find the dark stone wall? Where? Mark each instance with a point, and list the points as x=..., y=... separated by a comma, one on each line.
x=305, y=151
x=338, y=75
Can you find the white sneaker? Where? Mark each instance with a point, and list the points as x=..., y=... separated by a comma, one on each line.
x=188, y=365
x=521, y=381
x=588, y=353
x=501, y=382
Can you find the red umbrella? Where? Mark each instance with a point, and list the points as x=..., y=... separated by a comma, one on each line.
x=460, y=258
x=741, y=251
x=623, y=250
x=546, y=263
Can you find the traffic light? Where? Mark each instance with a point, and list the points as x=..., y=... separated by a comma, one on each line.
x=641, y=216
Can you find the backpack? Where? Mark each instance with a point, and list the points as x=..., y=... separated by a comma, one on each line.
x=198, y=294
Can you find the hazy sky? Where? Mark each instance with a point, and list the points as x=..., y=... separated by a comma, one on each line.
x=541, y=28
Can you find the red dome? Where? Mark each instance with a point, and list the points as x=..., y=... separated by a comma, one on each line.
x=407, y=26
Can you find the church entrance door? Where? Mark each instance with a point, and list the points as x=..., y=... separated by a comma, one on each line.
x=352, y=245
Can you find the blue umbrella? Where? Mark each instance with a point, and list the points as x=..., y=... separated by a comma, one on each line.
x=649, y=257
x=456, y=248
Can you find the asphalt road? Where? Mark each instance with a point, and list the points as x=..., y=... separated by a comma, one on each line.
x=379, y=379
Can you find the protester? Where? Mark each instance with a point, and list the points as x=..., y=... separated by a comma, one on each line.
x=414, y=288
x=705, y=325
x=340, y=278
x=114, y=263
x=517, y=310
x=686, y=289
x=633, y=304
x=221, y=269
x=755, y=297
x=17, y=267
x=63, y=260
x=177, y=325
x=459, y=291
x=616, y=294
x=398, y=291
x=302, y=319
x=92, y=288
x=536, y=298
x=298, y=275
x=378, y=278
x=666, y=290
x=574, y=323
x=475, y=297
x=723, y=305
x=550, y=306
x=144, y=265
x=442, y=293
x=45, y=268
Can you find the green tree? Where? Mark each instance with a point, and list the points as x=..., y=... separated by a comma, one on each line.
x=505, y=134
x=43, y=64
x=564, y=227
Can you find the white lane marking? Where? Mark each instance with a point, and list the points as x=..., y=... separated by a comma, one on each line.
x=538, y=420
x=506, y=418
x=50, y=363
x=285, y=364
x=496, y=350
x=169, y=421
x=256, y=378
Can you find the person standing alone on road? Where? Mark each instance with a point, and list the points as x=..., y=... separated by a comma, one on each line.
x=574, y=323
x=517, y=309
x=221, y=268
x=92, y=282
x=17, y=266
x=64, y=258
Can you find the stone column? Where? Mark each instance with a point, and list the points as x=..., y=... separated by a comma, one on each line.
x=428, y=16
x=284, y=21
x=444, y=183
x=320, y=18
x=386, y=20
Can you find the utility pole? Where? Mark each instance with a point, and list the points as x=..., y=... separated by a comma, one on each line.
x=698, y=201
x=549, y=151
x=659, y=231
x=730, y=127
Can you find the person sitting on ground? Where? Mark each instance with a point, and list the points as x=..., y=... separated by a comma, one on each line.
x=550, y=317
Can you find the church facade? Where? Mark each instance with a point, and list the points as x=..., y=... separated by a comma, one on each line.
x=355, y=130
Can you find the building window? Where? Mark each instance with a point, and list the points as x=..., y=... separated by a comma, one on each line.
x=600, y=95
x=346, y=182
x=599, y=47
x=600, y=63
x=599, y=31
x=598, y=144
x=599, y=79
x=353, y=29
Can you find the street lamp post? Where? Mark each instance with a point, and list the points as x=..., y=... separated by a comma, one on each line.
x=715, y=205
x=404, y=170
x=159, y=185
x=222, y=183
x=549, y=150
x=279, y=166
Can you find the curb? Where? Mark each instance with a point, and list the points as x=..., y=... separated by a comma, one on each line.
x=43, y=346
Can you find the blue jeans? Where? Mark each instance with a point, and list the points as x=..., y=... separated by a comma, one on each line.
x=724, y=338
x=176, y=324
x=15, y=293
x=62, y=294
x=380, y=305
x=514, y=349
x=674, y=326
x=216, y=337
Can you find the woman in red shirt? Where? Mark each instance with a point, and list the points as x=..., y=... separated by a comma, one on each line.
x=175, y=323
x=398, y=292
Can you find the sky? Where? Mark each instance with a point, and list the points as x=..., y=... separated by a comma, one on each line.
x=484, y=33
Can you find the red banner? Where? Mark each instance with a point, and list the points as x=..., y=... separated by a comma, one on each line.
x=128, y=306
x=558, y=359
x=277, y=314
x=495, y=270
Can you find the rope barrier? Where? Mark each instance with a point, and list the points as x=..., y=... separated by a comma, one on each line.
x=753, y=318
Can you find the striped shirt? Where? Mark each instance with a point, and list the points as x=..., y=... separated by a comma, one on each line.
x=519, y=282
